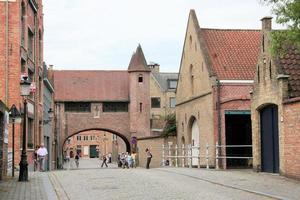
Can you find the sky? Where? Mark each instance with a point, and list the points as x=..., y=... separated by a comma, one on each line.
x=102, y=35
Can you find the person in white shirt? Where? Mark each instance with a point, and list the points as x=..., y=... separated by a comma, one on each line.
x=42, y=155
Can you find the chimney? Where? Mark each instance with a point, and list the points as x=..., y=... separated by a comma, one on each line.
x=154, y=67
x=50, y=67
x=266, y=23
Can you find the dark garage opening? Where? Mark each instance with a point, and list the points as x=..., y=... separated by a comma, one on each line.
x=238, y=132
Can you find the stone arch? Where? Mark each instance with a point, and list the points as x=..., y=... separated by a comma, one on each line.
x=124, y=138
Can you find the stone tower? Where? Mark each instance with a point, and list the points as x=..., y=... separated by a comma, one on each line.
x=139, y=94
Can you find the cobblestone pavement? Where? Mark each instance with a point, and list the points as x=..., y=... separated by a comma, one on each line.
x=37, y=188
x=93, y=182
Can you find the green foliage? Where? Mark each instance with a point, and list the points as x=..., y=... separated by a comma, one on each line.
x=170, y=126
x=287, y=13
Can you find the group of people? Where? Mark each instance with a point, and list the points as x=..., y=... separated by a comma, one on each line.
x=71, y=159
x=40, y=156
x=126, y=160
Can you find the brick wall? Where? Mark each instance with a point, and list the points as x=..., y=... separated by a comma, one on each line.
x=155, y=146
x=291, y=119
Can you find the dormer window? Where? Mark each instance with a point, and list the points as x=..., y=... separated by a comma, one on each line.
x=140, y=78
x=172, y=83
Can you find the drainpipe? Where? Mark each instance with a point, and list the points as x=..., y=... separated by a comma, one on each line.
x=6, y=50
x=219, y=117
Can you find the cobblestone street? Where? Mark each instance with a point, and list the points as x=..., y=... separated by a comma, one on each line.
x=92, y=182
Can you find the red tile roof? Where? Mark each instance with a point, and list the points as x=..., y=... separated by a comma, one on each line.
x=290, y=65
x=233, y=53
x=84, y=85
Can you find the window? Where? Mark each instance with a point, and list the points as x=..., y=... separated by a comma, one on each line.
x=69, y=141
x=172, y=84
x=77, y=107
x=192, y=78
x=140, y=79
x=40, y=90
x=155, y=102
x=115, y=107
x=172, y=102
x=30, y=134
x=86, y=137
x=31, y=78
x=40, y=47
x=141, y=107
x=23, y=24
x=30, y=47
x=78, y=137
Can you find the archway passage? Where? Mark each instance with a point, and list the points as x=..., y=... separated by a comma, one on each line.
x=238, y=132
x=95, y=143
x=269, y=139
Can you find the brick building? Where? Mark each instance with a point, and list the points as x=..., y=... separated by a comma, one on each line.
x=21, y=44
x=162, y=94
x=213, y=92
x=276, y=109
x=114, y=101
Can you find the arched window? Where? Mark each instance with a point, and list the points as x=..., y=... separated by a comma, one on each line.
x=191, y=41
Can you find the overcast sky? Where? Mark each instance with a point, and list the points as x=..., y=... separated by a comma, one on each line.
x=102, y=35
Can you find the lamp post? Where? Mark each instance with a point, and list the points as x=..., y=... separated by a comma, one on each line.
x=15, y=117
x=25, y=92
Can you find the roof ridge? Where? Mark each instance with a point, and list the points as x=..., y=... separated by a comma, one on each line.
x=230, y=29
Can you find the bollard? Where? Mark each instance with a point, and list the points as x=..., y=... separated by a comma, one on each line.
x=176, y=154
x=163, y=155
x=183, y=155
x=207, y=155
x=170, y=159
x=217, y=155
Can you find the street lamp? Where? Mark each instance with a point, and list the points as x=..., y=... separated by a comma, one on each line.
x=15, y=117
x=25, y=92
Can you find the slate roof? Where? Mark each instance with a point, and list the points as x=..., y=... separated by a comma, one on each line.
x=162, y=79
x=85, y=85
x=233, y=53
x=138, y=62
x=289, y=64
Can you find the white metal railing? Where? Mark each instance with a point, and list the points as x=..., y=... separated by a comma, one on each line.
x=185, y=153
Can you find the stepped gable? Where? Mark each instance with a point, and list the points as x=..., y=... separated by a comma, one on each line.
x=138, y=62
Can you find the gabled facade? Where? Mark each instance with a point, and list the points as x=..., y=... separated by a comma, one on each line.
x=276, y=109
x=213, y=92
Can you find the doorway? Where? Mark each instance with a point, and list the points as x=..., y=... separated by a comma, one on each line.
x=195, y=142
x=238, y=132
x=269, y=139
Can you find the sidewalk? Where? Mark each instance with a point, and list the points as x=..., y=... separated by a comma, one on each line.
x=264, y=184
x=37, y=188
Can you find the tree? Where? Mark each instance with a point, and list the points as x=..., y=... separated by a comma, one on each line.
x=170, y=126
x=287, y=13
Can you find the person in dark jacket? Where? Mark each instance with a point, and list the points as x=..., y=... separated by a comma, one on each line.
x=149, y=157
x=104, y=159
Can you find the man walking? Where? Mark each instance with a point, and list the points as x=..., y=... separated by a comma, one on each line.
x=42, y=154
x=104, y=161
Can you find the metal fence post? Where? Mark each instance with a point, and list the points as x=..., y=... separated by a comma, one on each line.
x=217, y=155
x=207, y=156
x=163, y=155
x=198, y=156
x=170, y=159
x=176, y=154
x=191, y=156
x=183, y=155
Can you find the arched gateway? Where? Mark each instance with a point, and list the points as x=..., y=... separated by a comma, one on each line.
x=114, y=101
